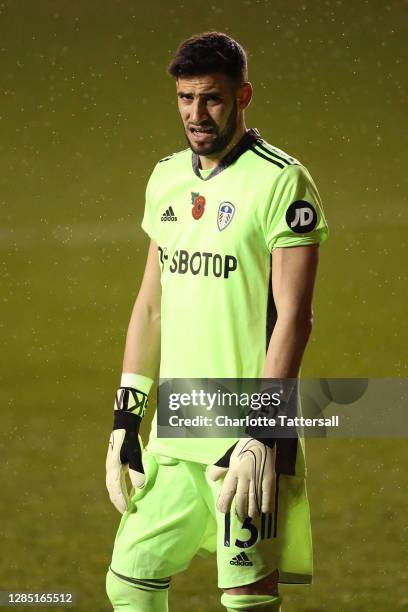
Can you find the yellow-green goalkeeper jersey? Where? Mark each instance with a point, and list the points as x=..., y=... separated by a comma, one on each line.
x=215, y=231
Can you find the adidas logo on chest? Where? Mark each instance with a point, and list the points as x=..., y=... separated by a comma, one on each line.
x=168, y=215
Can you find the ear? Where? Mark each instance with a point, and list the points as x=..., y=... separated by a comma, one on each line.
x=245, y=95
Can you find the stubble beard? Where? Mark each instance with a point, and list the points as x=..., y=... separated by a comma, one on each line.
x=222, y=140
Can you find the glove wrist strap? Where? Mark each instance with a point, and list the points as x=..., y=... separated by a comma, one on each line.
x=131, y=397
x=136, y=381
x=131, y=401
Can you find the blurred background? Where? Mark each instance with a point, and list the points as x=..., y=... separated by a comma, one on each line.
x=86, y=110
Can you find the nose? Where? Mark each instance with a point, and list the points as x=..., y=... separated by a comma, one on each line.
x=198, y=111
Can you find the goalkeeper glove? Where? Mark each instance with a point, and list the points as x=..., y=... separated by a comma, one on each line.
x=249, y=470
x=125, y=450
x=249, y=465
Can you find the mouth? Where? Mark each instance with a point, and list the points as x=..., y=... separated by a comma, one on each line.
x=200, y=134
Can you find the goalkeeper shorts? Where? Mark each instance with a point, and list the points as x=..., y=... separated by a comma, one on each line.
x=174, y=517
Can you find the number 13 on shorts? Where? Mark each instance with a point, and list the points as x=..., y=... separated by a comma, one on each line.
x=250, y=531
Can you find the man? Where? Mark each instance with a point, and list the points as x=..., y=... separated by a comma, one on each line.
x=208, y=306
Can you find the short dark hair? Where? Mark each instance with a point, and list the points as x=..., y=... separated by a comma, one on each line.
x=207, y=53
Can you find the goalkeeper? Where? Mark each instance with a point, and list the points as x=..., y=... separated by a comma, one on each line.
x=234, y=226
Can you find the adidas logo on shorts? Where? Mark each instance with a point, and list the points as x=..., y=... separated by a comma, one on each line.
x=241, y=559
x=169, y=215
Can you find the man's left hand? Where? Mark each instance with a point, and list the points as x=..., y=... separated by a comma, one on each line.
x=249, y=470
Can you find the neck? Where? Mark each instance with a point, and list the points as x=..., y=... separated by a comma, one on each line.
x=211, y=161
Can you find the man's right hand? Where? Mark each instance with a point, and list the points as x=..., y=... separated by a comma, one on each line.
x=125, y=450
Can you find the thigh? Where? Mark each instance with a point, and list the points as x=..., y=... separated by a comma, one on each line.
x=250, y=550
x=164, y=525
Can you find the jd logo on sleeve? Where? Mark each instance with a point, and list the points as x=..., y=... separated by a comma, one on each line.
x=301, y=217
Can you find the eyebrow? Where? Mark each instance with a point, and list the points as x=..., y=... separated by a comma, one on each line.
x=207, y=93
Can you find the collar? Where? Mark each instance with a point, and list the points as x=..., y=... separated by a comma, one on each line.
x=247, y=140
